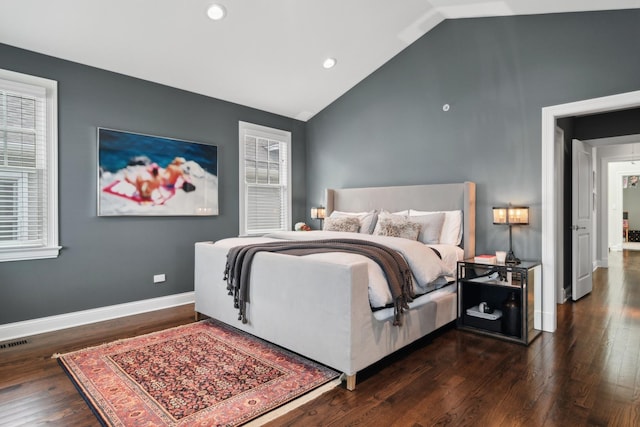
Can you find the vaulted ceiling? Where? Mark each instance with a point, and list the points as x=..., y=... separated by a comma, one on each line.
x=264, y=54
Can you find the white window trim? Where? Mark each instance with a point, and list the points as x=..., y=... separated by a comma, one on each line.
x=52, y=250
x=266, y=132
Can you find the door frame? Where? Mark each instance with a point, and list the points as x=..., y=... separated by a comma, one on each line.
x=561, y=296
x=546, y=315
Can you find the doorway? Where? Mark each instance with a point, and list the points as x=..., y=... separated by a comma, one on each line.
x=623, y=196
x=546, y=311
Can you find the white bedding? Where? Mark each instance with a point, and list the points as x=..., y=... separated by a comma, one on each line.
x=428, y=269
x=451, y=254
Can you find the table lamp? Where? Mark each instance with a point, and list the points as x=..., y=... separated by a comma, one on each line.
x=318, y=213
x=511, y=215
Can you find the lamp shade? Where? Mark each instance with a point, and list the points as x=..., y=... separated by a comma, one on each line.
x=318, y=213
x=519, y=215
x=499, y=215
x=512, y=215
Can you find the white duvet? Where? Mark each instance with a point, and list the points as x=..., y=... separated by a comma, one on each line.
x=426, y=266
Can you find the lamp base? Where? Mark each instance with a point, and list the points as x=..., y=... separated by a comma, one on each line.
x=511, y=258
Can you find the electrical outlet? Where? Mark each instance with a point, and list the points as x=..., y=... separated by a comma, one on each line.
x=159, y=278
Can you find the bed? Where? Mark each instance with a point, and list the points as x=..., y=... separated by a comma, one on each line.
x=321, y=309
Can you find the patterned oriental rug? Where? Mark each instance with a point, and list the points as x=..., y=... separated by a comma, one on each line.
x=204, y=373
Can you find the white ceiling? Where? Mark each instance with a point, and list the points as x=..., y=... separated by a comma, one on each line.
x=265, y=54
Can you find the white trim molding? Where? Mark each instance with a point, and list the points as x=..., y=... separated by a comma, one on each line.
x=12, y=331
x=549, y=209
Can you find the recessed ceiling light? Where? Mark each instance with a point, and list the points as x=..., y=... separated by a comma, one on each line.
x=329, y=63
x=216, y=12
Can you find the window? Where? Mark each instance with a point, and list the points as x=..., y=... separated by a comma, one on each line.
x=28, y=167
x=265, y=170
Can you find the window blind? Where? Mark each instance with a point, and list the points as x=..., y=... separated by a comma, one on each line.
x=23, y=165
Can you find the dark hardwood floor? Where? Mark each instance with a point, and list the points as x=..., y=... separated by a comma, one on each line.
x=586, y=373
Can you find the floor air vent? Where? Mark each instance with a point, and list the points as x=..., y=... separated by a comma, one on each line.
x=12, y=344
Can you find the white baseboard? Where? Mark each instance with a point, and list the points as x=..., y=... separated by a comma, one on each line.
x=548, y=322
x=601, y=263
x=11, y=331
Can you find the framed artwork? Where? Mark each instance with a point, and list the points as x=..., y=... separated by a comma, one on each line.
x=630, y=181
x=151, y=175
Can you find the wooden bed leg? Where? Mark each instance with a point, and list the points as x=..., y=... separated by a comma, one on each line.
x=197, y=316
x=351, y=382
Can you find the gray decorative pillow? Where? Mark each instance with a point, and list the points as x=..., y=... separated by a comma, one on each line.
x=397, y=227
x=367, y=219
x=350, y=224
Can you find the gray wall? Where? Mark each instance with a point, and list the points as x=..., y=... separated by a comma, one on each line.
x=109, y=260
x=497, y=74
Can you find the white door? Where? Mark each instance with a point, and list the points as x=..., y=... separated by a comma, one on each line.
x=581, y=214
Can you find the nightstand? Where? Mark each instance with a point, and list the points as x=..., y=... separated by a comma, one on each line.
x=497, y=299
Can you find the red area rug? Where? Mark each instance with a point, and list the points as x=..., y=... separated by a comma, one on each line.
x=205, y=374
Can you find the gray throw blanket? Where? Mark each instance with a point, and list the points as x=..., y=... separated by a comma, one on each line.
x=238, y=269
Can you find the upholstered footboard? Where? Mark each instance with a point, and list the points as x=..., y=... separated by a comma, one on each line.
x=310, y=307
x=315, y=308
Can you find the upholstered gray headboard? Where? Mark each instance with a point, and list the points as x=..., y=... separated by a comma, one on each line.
x=431, y=197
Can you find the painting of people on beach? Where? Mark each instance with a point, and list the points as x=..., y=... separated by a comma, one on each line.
x=150, y=175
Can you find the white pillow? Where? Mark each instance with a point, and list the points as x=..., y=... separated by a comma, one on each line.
x=451, y=233
x=431, y=226
x=386, y=214
x=367, y=219
x=396, y=216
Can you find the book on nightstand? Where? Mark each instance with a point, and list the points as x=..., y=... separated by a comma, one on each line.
x=485, y=259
